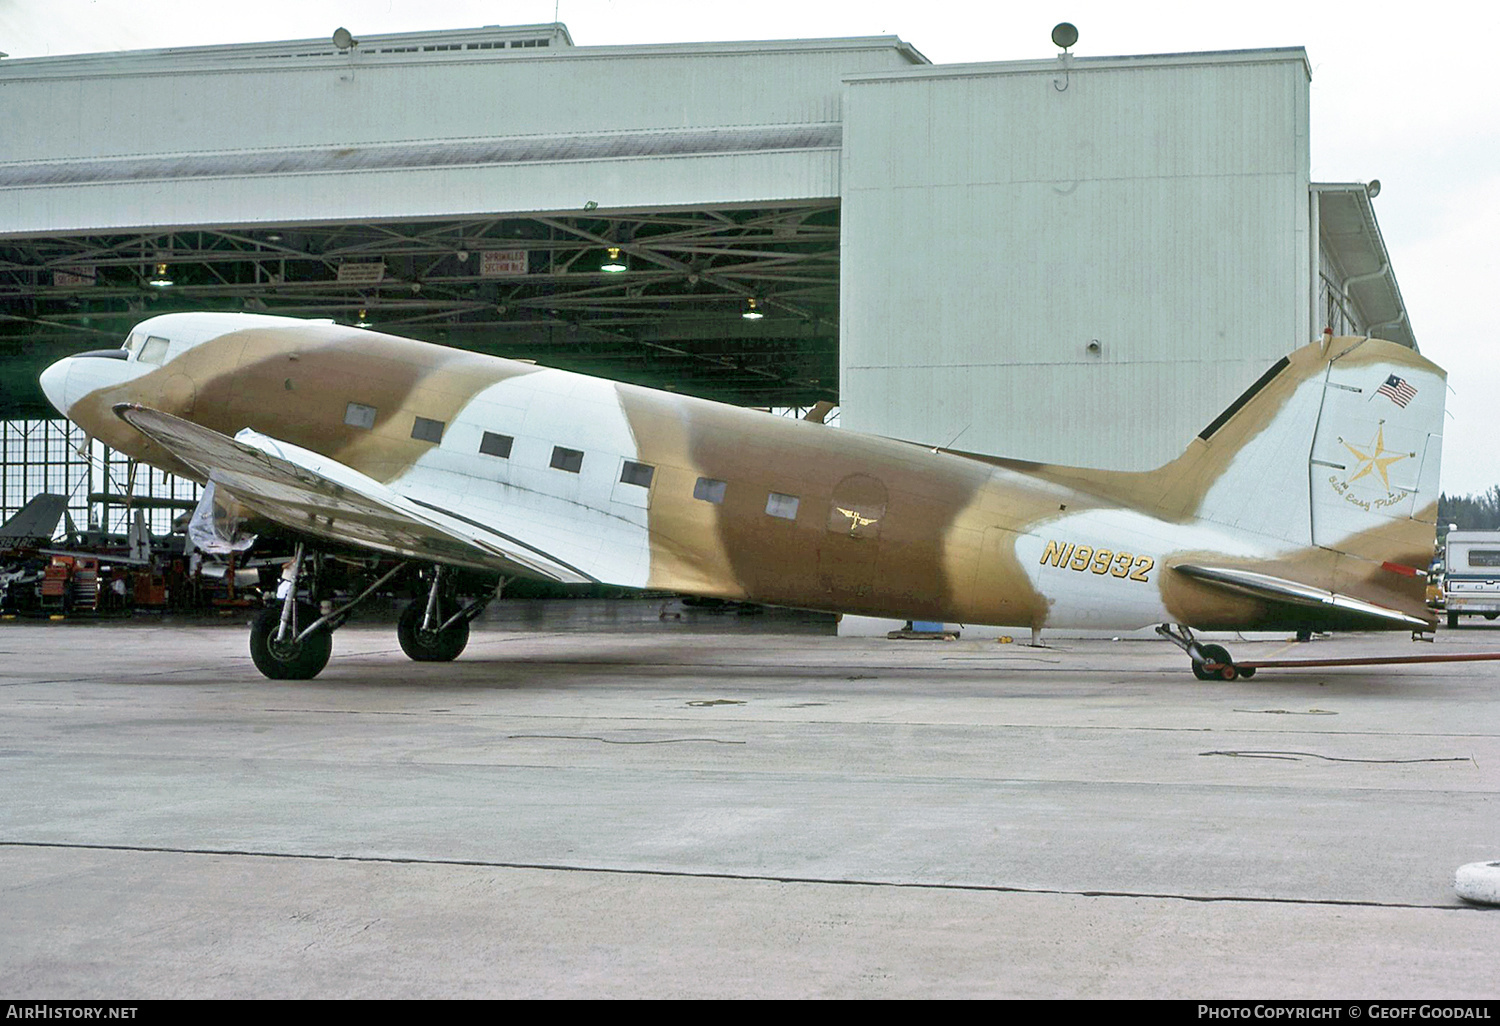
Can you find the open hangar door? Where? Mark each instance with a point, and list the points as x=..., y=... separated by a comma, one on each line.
x=669, y=314
x=656, y=297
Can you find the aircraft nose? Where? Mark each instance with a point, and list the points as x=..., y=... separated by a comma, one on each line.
x=54, y=381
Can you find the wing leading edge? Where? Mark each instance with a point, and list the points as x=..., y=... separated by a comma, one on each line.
x=322, y=497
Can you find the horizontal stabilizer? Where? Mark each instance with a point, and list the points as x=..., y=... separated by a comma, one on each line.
x=319, y=496
x=1279, y=589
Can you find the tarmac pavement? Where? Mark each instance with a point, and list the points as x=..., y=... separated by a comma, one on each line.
x=594, y=802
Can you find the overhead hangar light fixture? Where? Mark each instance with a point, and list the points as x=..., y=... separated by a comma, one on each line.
x=160, y=279
x=364, y=319
x=1064, y=34
x=614, y=263
x=752, y=310
x=343, y=40
x=1373, y=189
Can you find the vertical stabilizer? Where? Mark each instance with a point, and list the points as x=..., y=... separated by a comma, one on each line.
x=1336, y=447
x=1339, y=448
x=1320, y=487
x=34, y=522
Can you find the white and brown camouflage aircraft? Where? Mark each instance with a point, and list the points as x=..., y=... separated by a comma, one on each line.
x=1309, y=504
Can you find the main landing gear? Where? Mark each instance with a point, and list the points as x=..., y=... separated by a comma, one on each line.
x=293, y=639
x=437, y=629
x=1210, y=662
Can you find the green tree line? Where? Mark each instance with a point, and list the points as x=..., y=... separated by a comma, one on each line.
x=1471, y=512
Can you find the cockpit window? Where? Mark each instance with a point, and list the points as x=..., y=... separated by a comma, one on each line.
x=154, y=351
x=132, y=342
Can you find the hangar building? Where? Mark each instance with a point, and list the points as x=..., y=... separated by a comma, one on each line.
x=1072, y=259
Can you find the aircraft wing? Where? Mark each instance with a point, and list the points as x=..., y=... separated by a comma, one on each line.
x=315, y=495
x=1279, y=589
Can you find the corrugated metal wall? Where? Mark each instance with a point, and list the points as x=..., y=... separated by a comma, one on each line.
x=997, y=219
x=332, y=136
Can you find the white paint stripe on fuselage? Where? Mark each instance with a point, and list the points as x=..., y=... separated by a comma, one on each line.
x=573, y=517
x=1083, y=598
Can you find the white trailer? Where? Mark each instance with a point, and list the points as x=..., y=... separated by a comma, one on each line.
x=1471, y=582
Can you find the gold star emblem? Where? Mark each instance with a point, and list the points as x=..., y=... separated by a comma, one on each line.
x=1374, y=458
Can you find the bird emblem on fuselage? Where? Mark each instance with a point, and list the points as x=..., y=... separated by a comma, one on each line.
x=855, y=520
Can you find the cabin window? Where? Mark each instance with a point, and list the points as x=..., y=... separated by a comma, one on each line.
x=496, y=445
x=425, y=430
x=570, y=460
x=359, y=415
x=1484, y=557
x=154, y=351
x=783, y=506
x=709, y=490
x=637, y=473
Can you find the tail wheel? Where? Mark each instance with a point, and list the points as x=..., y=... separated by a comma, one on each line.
x=425, y=646
x=291, y=659
x=1453, y=621
x=1215, y=654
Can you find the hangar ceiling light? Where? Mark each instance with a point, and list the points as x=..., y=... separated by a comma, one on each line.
x=160, y=279
x=614, y=263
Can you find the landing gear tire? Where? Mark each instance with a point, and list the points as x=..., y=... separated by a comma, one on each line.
x=439, y=646
x=1453, y=621
x=1216, y=654
x=289, y=660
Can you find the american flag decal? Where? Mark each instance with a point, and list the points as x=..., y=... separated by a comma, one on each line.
x=1397, y=391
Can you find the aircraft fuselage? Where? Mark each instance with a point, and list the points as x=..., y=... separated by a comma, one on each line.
x=644, y=488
